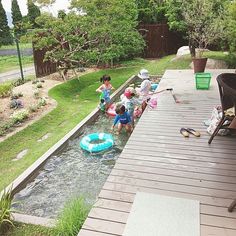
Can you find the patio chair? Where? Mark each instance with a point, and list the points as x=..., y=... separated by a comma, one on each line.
x=227, y=89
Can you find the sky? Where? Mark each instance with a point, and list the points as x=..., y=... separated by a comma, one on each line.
x=59, y=5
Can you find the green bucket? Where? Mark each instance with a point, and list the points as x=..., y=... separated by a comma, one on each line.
x=203, y=80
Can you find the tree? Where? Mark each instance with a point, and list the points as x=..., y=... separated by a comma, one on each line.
x=114, y=24
x=5, y=34
x=61, y=14
x=33, y=13
x=16, y=17
x=105, y=32
x=230, y=32
x=199, y=20
x=151, y=11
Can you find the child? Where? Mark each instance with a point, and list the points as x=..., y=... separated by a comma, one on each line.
x=129, y=101
x=123, y=118
x=105, y=89
x=144, y=88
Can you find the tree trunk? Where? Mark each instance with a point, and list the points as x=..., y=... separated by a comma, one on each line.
x=192, y=48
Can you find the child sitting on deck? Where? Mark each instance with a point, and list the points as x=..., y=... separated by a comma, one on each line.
x=144, y=88
x=123, y=118
x=105, y=89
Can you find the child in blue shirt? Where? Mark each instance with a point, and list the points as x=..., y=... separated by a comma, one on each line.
x=123, y=118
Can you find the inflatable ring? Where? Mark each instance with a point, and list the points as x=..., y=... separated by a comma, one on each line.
x=112, y=110
x=86, y=144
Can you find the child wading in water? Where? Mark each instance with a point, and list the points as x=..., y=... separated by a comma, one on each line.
x=105, y=89
x=123, y=118
x=130, y=102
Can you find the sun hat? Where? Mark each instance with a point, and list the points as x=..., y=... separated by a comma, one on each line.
x=143, y=74
x=127, y=93
x=130, y=91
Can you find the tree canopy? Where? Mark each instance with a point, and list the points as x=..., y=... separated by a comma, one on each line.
x=33, y=13
x=16, y=17
x=5, y=34
x=104, y=33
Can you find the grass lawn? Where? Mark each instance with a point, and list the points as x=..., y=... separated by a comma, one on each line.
x=29, y=230
x=11, y=62
x=13, y=46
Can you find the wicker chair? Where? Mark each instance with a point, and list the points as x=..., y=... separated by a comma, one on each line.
x=227, y=89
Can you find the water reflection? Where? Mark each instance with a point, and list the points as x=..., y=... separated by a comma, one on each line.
x=73, y=172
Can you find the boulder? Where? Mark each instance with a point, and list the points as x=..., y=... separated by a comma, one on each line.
x=184, y=50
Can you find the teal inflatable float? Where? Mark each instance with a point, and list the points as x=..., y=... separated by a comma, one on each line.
x=104, y=142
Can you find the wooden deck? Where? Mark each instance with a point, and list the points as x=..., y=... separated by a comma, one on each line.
x=157, y=159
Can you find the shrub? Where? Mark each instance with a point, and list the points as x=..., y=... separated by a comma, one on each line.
x=19, y=116
x=5, y=209
x=5, y=126
x=36, y=93
x=72, y=218
x=35, y=81
x=18, y=82
x=39, y=85
x=16, y=103
x=5, y=90
x=16, y=95
x=33, y=108
x=42, y=102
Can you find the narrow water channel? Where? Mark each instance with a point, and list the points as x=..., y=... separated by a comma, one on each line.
x=71, y=173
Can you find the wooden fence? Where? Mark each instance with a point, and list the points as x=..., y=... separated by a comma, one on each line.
x=160, y=41
x=42, y=68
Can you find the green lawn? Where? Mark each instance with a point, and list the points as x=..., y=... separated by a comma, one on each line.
x=29, y=230
x=8, y=63
x=13, y=46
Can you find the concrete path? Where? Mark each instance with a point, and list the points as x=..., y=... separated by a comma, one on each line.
x=15, y=74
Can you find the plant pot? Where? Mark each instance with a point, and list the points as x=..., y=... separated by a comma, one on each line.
x=199, y=64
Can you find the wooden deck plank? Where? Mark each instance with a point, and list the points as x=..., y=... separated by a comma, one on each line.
x=85, y=232
x=181, y=165
x=215, y=231
x=130, y=183
x=184, y=173
x=158, y=159
x=178, y=160
x=103, y=226
x=137, y=150
x=125, y=207
x=109, y=193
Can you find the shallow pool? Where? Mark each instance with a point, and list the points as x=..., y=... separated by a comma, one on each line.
x=72, y=173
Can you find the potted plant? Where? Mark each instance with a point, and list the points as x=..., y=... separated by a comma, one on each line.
x=204, y=26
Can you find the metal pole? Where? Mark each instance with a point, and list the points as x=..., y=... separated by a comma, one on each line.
x=19, y=57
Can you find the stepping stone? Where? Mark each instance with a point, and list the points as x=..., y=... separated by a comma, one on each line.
x=160, y=215
x=20, y=155
x=46, y=136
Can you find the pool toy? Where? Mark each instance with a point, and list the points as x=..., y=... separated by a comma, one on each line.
x=137, y=112
x=88, y=142
x=112, y=110
x=154, y=86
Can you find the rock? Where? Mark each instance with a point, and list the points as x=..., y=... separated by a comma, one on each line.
x=46, y=136
x=184, y=50
x=20, y=155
